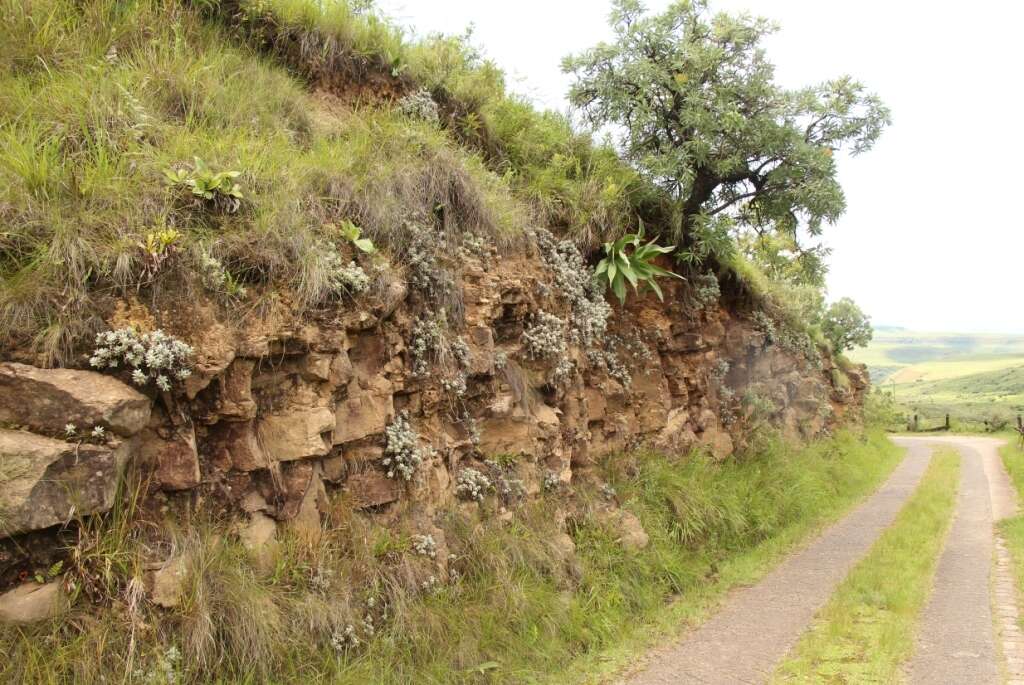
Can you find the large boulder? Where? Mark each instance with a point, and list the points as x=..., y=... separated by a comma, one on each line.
x=44, y=482
x=46, y=400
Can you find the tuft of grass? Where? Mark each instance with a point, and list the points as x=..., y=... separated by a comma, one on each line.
x=521, y=605
x=1012, y=529
x=866, y=631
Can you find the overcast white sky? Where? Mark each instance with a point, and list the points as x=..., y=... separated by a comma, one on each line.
x=931, y=239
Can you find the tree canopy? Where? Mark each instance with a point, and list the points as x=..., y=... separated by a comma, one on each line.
x=846, y=326
x=695, y=98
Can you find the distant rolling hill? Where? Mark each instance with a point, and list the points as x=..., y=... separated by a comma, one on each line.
x=969, y=375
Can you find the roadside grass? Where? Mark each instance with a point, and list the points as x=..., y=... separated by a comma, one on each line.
x=866, y=630
x=522, y=608
x=1012, y=529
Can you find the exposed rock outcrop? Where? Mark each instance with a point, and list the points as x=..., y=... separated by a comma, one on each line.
x=281, y=420
x=46, y=482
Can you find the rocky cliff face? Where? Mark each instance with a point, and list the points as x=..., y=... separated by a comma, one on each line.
x=515, y=378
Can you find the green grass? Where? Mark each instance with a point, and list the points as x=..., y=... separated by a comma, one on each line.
x=1012, y=529
x=866, y=630
x=97, y=100
x=521, y=611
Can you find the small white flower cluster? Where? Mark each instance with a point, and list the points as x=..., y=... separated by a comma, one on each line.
x=420, y=105
x=455, y=385
x=472, y=485
x=474, y=245
x=427, y=340
x=608, y=492
x=794, y=342
x=509, y=488
x=576, y=283
x=551, y=482
x=216, y=277
x=402, y=454
x=424, y=273
x=500, y=360
x=545, y=338
x=430, y=344
x=320, y=579
x=706, y=290
x=342, y=640
x=424, y=545
x=98, y=433
x=342, y=279
x=154, y=356
x=430, y=584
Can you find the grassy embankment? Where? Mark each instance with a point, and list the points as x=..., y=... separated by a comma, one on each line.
x=519, y=610
x=866, y=631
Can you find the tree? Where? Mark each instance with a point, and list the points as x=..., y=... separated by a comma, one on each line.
x=845, y=326
x=701, y=115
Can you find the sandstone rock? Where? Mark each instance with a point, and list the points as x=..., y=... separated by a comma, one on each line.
x=236, y=443
x=30, y=603
x=335, y=468
x=45, y=400
x=506, y=436
x=297, y=433
x=366, y=411
x=235, y=400
x=718, y=441
x=306, y=523
x=171, y=452
x=45, y=482
x=259, y=536
x=166, y=584
x=316, y=367
x=372, y=489
x=631, y=533
x=259, y=531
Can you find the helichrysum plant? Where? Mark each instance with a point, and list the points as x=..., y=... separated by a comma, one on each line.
x=155, y=356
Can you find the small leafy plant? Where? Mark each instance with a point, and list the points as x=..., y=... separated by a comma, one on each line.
x=218, y=187
x=353, y=234
x=637, y=266
x=157, y=248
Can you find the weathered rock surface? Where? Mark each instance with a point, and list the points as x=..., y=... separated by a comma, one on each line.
x=45, y=482
x=166, y=584
x=30, y=603
x=46, y=400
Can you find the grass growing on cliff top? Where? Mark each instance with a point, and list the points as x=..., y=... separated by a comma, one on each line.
x=866, y=631
x=522, y=609
x=98, y=99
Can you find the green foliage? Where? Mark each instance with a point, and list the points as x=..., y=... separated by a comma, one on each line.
x=704, y=118
x=216, y=187
x=637, y=266
x=157, y=248
x=352, y=233
x=845, y=326
x=516, y=605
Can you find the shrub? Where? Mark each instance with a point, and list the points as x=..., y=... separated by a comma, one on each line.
x=218, y=188
x=472, y=485
x=155, y=356
x=637, y=267
x=402, y=453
